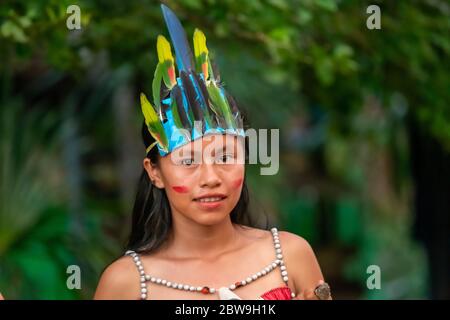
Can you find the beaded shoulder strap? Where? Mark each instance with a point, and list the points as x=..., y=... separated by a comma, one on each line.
x=279, y=256
x=140, y=267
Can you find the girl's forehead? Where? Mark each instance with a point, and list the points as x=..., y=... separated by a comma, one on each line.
x=214, y=141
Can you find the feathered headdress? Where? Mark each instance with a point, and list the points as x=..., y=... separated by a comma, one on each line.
x=193, y=104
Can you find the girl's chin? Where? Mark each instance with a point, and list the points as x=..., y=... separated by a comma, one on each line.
x=210, y=218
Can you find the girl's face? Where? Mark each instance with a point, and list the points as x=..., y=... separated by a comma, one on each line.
x=202, y=179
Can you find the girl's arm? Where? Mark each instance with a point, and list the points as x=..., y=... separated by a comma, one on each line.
x=301, y=264
x=119, y=281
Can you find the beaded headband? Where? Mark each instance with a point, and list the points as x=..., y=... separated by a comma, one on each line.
x=192, y=105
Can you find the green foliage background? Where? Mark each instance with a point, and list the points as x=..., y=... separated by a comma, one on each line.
x=341, y=95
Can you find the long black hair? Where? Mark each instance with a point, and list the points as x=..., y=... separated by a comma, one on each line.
x=152, y=220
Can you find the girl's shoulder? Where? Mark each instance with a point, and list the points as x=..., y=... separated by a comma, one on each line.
x=294, y=243
x=296, y=249
x=119, y=281
x=290, y=241
x=299, y=258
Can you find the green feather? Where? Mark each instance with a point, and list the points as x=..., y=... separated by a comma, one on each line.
x=176, y=116
x=221, y=105
x=156, y=86
x=161, y=74
x=165, y=66
x=153, y=123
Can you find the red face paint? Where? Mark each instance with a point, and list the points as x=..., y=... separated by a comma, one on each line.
x=237, y=183
x=180, y=189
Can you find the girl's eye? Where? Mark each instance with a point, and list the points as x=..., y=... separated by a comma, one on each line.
x=187, y=161
x=225, y=158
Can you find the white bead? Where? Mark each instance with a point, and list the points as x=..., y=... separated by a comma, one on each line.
x=143, y=296
x=276, y=241
x=158, y=281
x=140, y=267
x=192, y=288
x=293, y=295
x=274, y=265
x=243, y=282
x=258, y=274
x=186, y=287
x=180, y=286
x=278, y=250
x=267, y=269
x=273, y=229
x=277, y=261
x=254, y=277
x=284, y=273
x=248, y=280
x=212, y=290
x=142, y=272
x=264, y=272
x=136, y=258
x=169, y=284
x=232, y=287
x=143, y=290
x=142, y=279
x=147, y=277
x=282, y=263
x=138, y=263
x=277, y=246
x=285, y=279
x=143, y=285
x=279, y=256
x=199, y=288
x=163, y=281
x=174, y=285
x=153, y=279
x=283, y=268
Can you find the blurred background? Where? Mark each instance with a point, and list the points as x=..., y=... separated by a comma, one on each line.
x=363, y=114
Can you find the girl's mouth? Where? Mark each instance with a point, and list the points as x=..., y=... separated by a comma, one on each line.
x=210, y=202
x=209, y=199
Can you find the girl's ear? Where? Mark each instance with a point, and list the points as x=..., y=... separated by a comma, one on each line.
x=153, y=173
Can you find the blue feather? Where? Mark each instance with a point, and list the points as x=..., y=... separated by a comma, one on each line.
x=183, y=52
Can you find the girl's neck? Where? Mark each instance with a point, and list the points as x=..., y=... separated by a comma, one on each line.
x=194, y=241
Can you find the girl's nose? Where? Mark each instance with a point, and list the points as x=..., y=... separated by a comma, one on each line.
x=209, y=176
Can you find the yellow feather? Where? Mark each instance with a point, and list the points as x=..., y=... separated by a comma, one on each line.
x=201, y=53
x=199, y=43
x=148, y=110
x=164, y=49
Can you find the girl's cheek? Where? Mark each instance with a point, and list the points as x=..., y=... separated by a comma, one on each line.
x=236, y=184
x=180, y=189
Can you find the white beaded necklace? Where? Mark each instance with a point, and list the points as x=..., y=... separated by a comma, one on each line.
x=144, y=278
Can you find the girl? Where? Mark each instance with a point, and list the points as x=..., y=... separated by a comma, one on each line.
x=192, y=236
